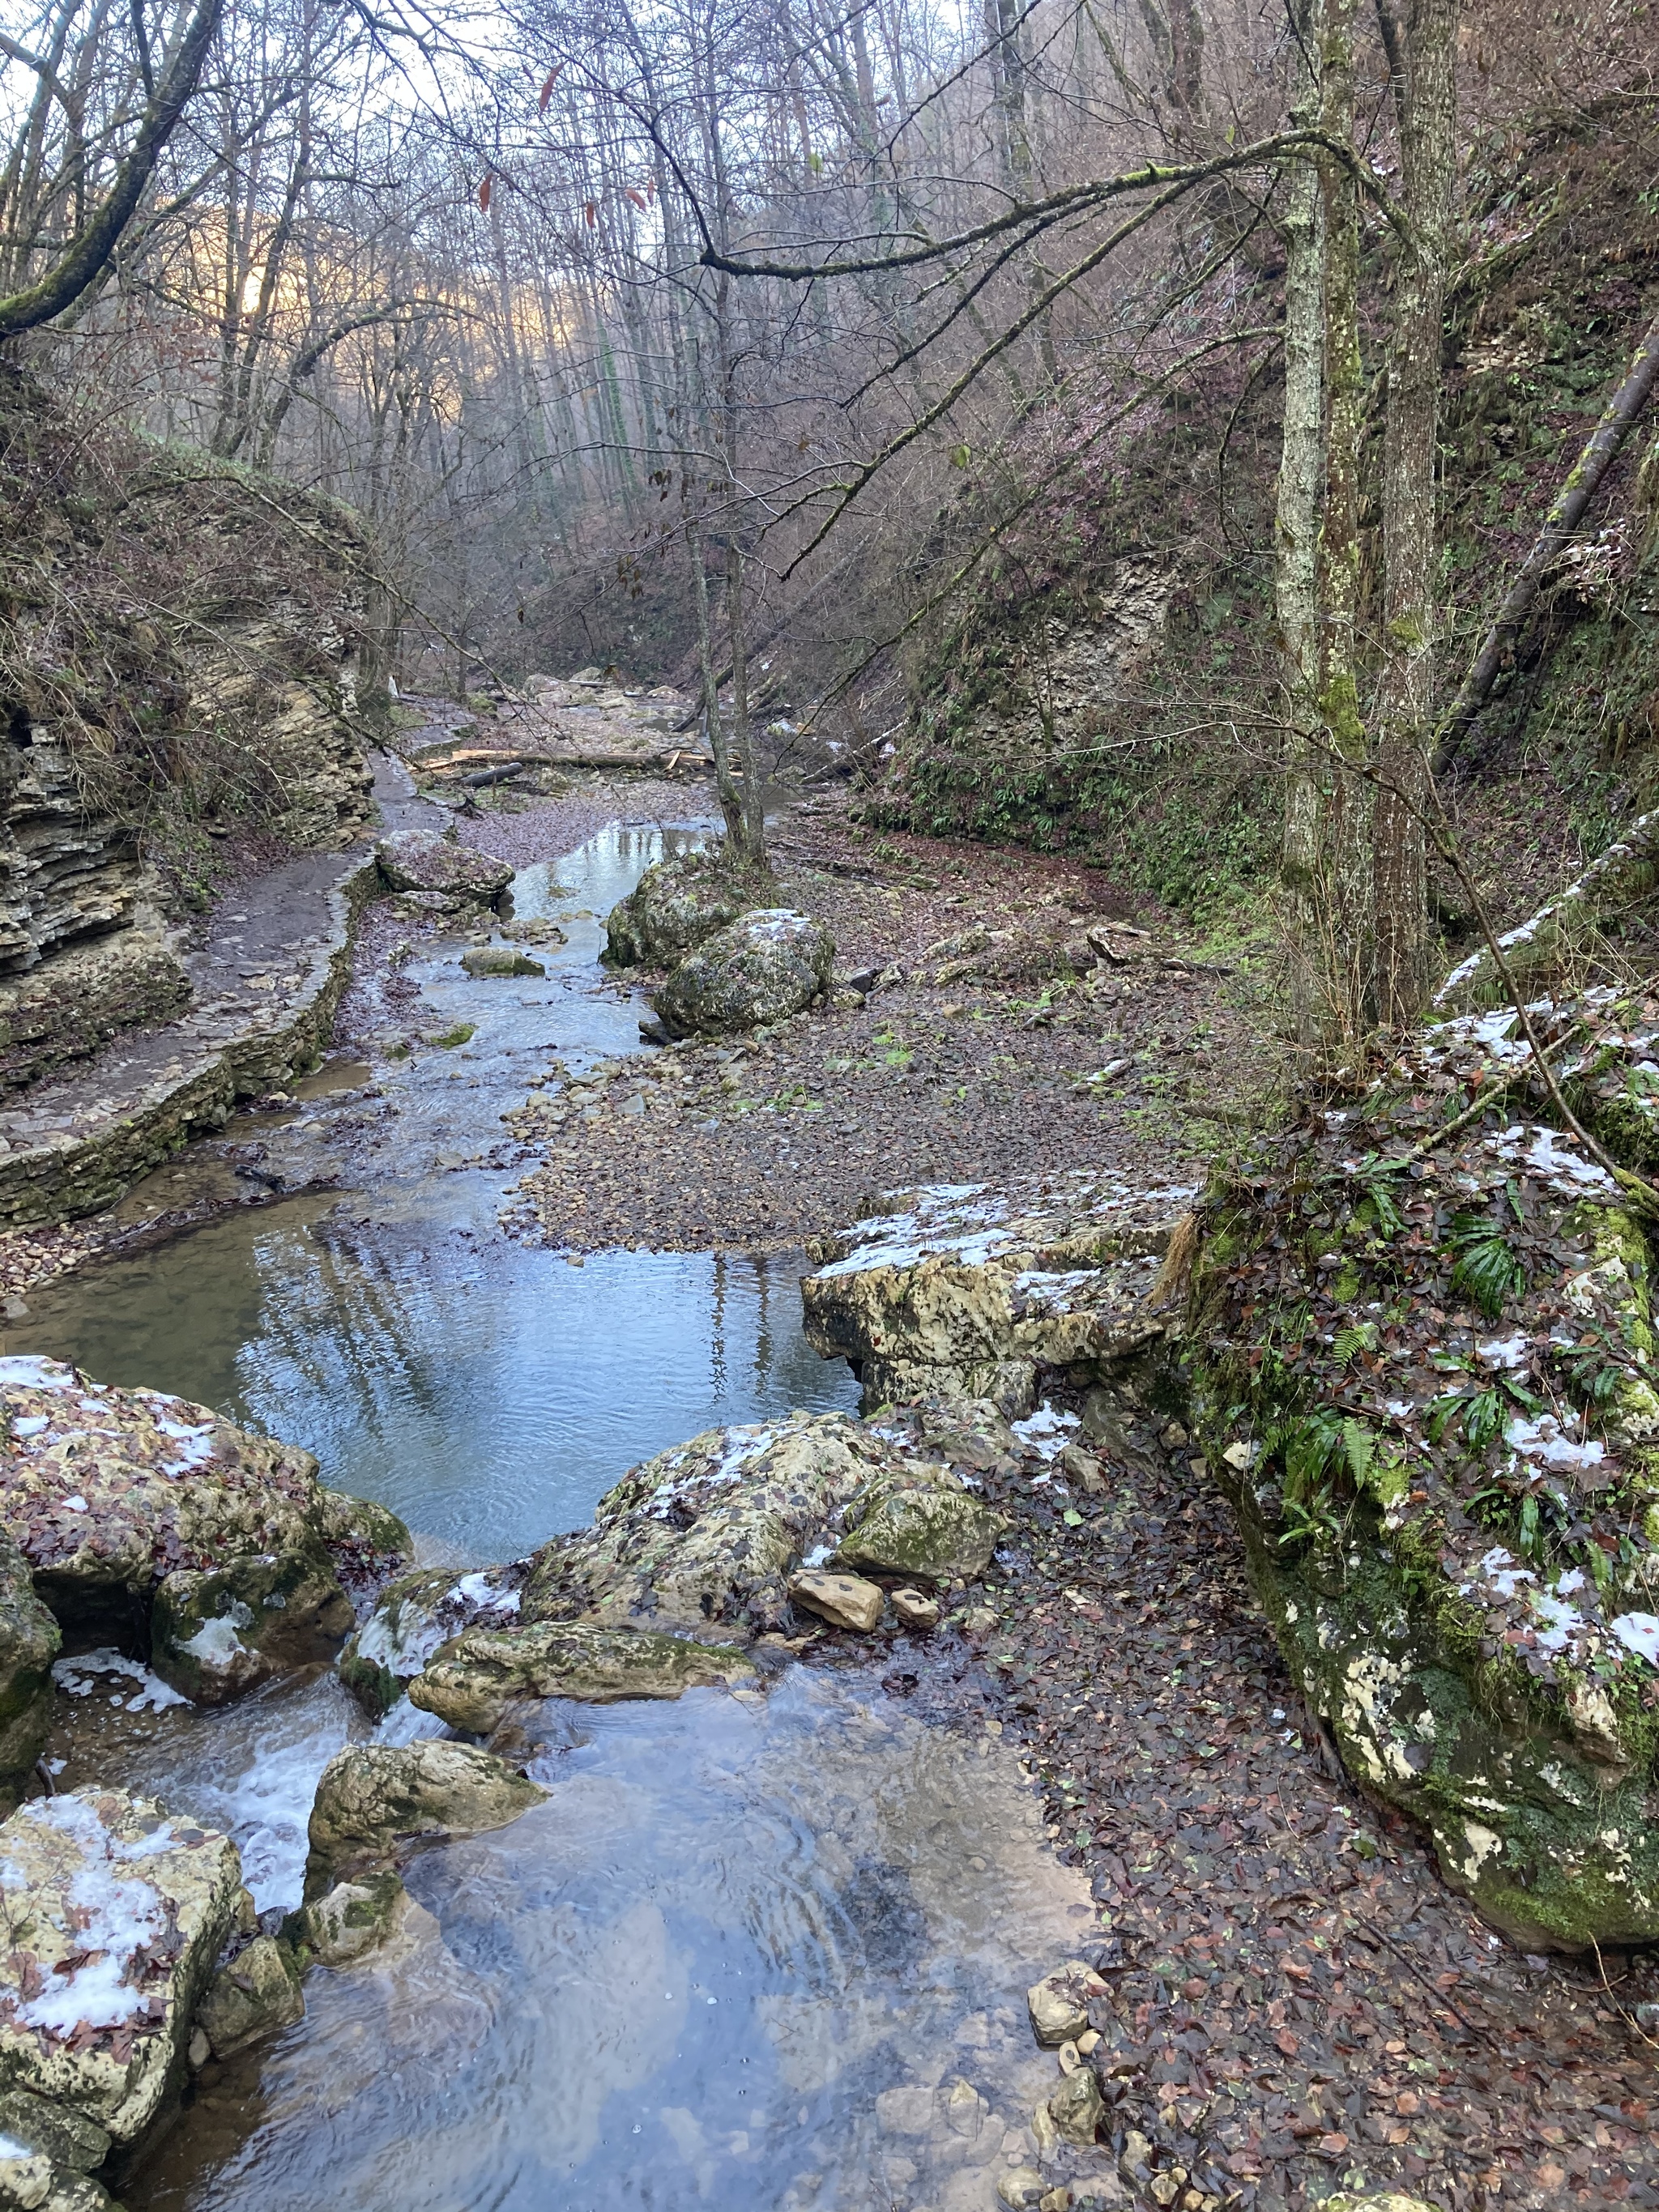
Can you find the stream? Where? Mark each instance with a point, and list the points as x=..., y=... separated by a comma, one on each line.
x=758, y=1949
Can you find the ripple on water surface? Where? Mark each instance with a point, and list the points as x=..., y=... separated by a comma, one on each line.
x=741, y=1956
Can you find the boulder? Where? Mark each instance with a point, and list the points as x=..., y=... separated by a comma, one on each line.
x=111, y=1495
x=674, y=906
x=412, y=1617
x=1077, y=2107
x=213, y=1636
x=844, y=1601
x=472, y=1681
x=354, y=1918
x=1448, y=1475
x=58, y=2133
x=763, y=967
x=1058, y=2004
x=374, y=1799
x=29, y=1640
x=415, y=861
x=486, y=960
x=938, y=1531
x=116, y=1916
x=969, y=1291
x=255, y=1995
x=704, y=1536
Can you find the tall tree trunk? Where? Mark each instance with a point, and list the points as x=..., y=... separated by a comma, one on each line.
x=1422, y=54
x=1344, y=873
x=1296, y=530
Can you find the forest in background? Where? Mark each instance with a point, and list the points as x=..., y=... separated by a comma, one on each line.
x=1112, y=426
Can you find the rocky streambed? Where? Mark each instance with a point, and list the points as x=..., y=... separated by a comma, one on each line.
x=935, y=1805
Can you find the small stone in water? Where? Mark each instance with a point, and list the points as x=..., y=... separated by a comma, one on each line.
x=1022, y=2187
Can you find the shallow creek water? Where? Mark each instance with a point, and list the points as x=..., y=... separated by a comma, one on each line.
x=767, y=1949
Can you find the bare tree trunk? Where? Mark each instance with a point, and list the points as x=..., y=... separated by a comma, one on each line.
x=1344, y=875
x=1603, y=447
x=1424, y=61
x=1296, y=531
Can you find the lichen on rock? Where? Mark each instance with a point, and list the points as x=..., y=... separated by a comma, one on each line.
x=763, y=968
x=472, y=1681
x=676, y=904
x=117, y=1916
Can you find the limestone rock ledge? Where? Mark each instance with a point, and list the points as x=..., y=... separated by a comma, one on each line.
x=969, y=1291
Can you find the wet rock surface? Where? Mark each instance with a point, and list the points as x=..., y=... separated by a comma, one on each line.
x=116, y=1916
x=412, y=1617
x=471, y=1682
x=762, y=969
x=29, y=1641
x=375, y=1801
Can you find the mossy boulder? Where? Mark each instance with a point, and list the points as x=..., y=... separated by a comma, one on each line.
x=115, y=1497
x=763, y=967
x=412, y=1617
x=704, y=1537
x=675, y=905
x=969, y=1291
x=353, y=1918
x=255, y=1995
x=218, y=1635
x=374, y=1799
x=1423, y=1373
x=937, y=1530
x=471, y=1682
x=29, y=1641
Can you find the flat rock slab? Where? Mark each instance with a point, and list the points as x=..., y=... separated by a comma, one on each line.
x=117, y=1916
x=473, y=1682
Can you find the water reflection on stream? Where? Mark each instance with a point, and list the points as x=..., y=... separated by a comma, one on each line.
x=766, y=1951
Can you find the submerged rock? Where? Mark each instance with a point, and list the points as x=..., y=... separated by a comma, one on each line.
x=472, y=1681
x=257, y=1995
x=486, y=960
x=676, y=904
x=214, y=1636
x=415, y=861
x=1447, y=1476
x=374, y=1799
x=1077, y=2107
x=412, y=1617
x=117, y=1916
x=970, y=1292
x=763, y=967
x=122, y=1501
x=705, y=1536
x=354, y=1918
x=29, y=1640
